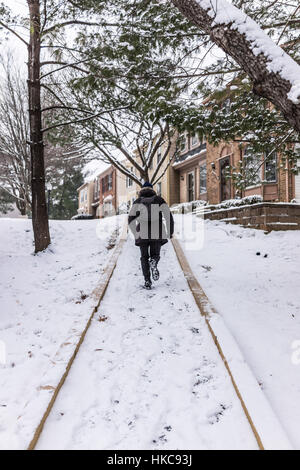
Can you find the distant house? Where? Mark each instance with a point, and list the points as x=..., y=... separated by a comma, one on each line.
x=85, y=198
x=105, y=195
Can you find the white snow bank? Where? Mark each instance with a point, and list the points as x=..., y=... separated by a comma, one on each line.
x=279, y=61
x=45, y=302
x=253, y=281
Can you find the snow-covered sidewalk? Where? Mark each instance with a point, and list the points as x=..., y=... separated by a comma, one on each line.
x=148, y=375
x=45, y=301
x=253, y=281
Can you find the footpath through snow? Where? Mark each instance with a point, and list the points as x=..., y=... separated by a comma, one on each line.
x=148, y=375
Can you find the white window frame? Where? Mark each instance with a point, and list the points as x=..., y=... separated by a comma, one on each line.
x=159, y=154
x=158, y=189
x=202, y=166
x=129, y=181
x=276, y=170
x=195, y=135
x=188, y=188
x=183, y=140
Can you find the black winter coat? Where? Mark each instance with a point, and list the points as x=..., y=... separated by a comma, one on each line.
x=146, y=218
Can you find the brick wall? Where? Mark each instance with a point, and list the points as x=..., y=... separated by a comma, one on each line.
x=214, y=155
x=264, y=216
x=282, y=190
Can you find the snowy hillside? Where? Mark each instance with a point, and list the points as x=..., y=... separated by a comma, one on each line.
x=45, y=302
x=253, y=280
x=148, y=374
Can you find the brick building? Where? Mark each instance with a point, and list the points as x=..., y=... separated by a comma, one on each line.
x=199, y=173
x=202, y=172
x=191, y=169
x=104, y=197
x=109, y=193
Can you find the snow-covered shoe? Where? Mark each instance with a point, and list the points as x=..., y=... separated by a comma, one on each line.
x=148, y=285
x=154, y=270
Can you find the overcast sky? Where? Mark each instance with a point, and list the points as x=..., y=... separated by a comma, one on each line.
x=14, y=44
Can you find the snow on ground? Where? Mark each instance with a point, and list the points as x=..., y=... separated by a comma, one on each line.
x=44, y=304
x=148, y=375
x=258, y=296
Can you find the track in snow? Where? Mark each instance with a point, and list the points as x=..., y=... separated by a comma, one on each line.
x=148, y=375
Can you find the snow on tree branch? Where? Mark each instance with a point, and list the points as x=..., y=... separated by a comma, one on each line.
x=222, y=12
x=275, y=75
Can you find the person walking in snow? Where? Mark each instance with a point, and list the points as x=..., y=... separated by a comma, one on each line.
x=150, y=230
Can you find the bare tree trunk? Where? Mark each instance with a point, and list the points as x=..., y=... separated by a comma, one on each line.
x=39, y=206
x=266, y=84
x=21, y=204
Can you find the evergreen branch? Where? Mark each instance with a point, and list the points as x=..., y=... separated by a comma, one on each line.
x=77, y=22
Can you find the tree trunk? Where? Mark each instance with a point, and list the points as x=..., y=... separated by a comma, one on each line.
x=21, y=204
x=39, y=205
x=266, y=84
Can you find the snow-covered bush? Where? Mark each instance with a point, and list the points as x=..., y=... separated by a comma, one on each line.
x=82, y=217
x=123, y=208
x=244, y=201
x=187, y=206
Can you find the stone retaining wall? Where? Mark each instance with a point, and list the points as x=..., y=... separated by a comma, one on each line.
x=264, y=216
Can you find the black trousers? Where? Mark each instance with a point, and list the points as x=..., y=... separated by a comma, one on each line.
x=151, y=250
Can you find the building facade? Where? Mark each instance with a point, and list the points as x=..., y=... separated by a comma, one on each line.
x=85, y=198
x=105, y=193
x=203, y=170
x=199, y=173
x=191, y=169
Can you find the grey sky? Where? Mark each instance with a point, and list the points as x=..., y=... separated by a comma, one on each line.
x=13, y=44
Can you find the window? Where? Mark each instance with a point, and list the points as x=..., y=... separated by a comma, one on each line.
x=158, y=155
x=81, y=196
x=252, y=167
x=109, y=181
x=85, y=195
x=129, y=181
x=202, y=178
x=104, y=185
x=96, y=188
x=158, y=189
x=191, y=187
x=194, y=140
x=182, y=140
x=271, y=168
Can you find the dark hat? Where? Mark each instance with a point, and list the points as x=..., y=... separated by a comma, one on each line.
x=147, y=185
